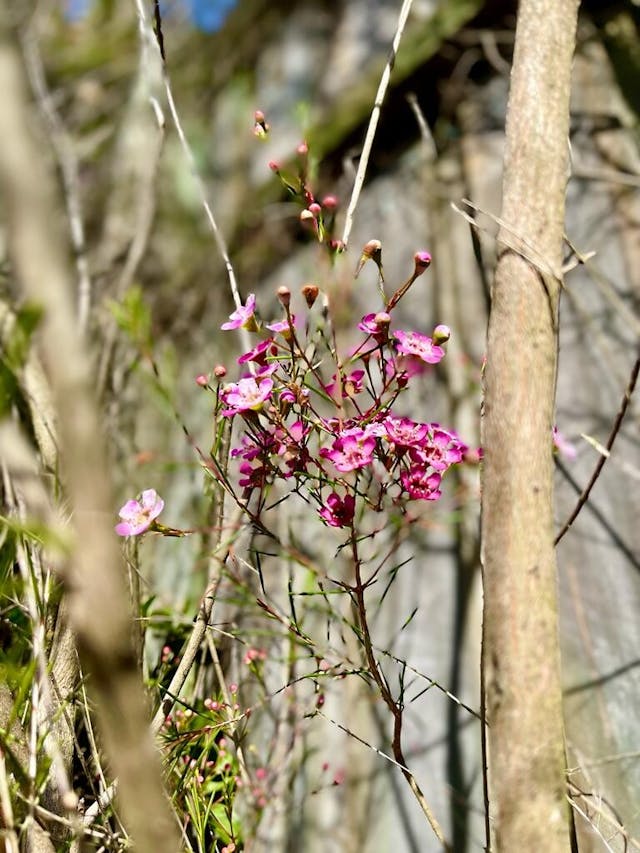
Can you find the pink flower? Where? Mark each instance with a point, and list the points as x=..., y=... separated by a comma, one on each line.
x=351, y=450
x=440, y=449
x=376, y=325
x=247, y=394
x=338, y=512
x=563, y=446
x=138, y=516
x=413, y=343
x=243, y=316
x=404, y=432
x=283, y=326
x=420, y=485
x=405, y=366
x=258, y=353
x=351, y=384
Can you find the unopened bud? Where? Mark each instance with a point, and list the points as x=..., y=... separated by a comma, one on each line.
x=284, y=296
x=310, y=293
x=441, y=334
x=260, y=127
x=307, y=218
x=302, y=149
x=219, y=371
x=422, y=261
x=202, y=380
x=315, y=209
x=274, y=166
x=330, y=202
x=371, y=251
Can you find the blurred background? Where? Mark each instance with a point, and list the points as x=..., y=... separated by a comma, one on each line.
x=313, y=69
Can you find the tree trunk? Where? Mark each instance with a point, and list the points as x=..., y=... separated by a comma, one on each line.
x=521, y=659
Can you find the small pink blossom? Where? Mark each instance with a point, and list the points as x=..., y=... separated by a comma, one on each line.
x=420, y=485
x=338, y=512
x=283, y=326
x=351, y=450
x=440, y=449
x=376, y=325
x=404, y=432
x=138, y=515
x=242, y=317
x=413, y=343
x=258, y=354
x=247, y=394
x=563, y=446
x=350, y=385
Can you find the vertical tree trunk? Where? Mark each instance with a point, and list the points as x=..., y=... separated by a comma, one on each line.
x=521, y=658
x=95, y=588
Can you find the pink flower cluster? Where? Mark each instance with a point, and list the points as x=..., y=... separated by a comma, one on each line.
x=360, y=448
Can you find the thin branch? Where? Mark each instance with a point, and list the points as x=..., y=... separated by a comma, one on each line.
x=373, y=122
x=615, y=429
x=396, y=709
x=145, y=32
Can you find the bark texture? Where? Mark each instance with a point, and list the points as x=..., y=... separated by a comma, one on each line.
x=523, y=699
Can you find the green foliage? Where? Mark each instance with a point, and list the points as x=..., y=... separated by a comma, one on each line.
x=134, y=318
x=14, y=354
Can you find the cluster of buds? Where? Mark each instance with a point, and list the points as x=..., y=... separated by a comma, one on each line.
x=317, y=214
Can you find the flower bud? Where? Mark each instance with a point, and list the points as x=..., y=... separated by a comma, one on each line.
x=371, y=251
x=219, y=371
x=202, y=380
x=315, y=209
x=284, y=296
x=306, y=217
x=422, y=261
x=310, y=293
x=441, y=334
x=260, y=127
x=275, y=167
x=302, y=149
x=330, y=202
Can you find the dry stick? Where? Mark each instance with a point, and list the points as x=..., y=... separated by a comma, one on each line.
x=373, y=122
x=158, y=41
x=95, y=592
x=615, y=429
x=396, y=710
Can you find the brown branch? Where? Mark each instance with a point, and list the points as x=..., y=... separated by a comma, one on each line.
x=521, y=656
x=615, y=429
